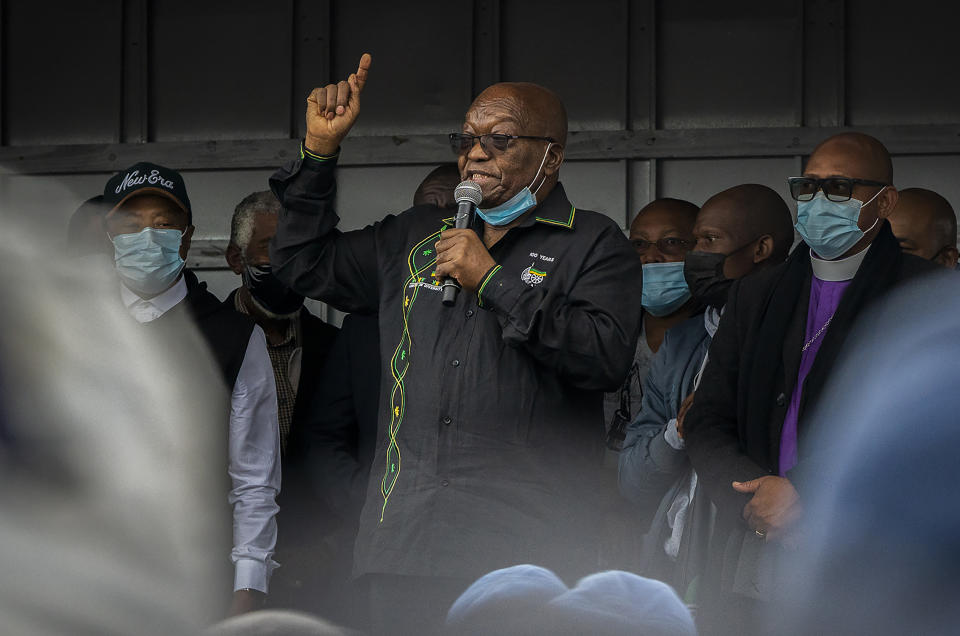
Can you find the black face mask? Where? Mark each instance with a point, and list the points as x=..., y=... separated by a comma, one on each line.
x=269, y=292
x=704, y=274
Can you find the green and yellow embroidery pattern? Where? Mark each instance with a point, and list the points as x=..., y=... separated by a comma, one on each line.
x=420, y=259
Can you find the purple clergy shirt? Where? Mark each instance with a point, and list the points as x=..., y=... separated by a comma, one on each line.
x=824, y=298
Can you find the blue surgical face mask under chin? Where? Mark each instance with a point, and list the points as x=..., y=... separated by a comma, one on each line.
x=830, y=227
x=664, y=288
x=148, y=262
x=511, y=209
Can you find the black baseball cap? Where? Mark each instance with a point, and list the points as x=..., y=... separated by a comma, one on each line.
x=147, y=178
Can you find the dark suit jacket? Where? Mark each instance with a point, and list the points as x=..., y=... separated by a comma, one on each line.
x=732, y=431
x=726, y=445
x=342, y=433
x=299, y=512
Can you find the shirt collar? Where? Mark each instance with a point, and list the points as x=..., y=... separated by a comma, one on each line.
x=711, y=320
x=839, y=270
x=556, y=209
x=160, y=304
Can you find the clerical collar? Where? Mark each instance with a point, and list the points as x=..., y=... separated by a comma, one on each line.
x=839, y=270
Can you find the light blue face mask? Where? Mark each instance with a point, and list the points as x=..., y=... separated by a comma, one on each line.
x=664, y=288
x=511, y=209
x=148, y=262
x=830, y=227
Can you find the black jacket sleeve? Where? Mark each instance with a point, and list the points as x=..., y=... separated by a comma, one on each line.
x=711, y=430
x=308, y=253
x=587, y=336
x=333, y=433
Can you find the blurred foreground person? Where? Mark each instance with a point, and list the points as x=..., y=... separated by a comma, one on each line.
x=490, y=409
x=739, y=231
x=880, y=549
x=527, y=600
x=85, y=235
x=926, y=226
x=110, y=478
x=150, y=223
x=771, y=360
x=298, y=343
x=276, y=623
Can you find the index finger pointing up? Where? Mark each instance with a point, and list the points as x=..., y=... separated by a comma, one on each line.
x=363, y=69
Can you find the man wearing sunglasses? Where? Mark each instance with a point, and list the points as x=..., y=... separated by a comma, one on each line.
x=490, y=424
x=925, y=224
x=771, y=359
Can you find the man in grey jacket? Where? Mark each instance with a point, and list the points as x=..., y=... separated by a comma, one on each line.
x=738, y=231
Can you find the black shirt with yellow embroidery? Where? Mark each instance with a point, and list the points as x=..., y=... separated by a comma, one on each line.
x=490, y=422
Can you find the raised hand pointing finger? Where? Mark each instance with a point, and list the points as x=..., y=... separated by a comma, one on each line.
x=363, y=69
x=333, y=109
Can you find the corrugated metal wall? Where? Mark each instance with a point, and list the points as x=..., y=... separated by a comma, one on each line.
x=674, y=98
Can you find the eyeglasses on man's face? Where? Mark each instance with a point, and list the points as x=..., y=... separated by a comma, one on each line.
x=461, y=143
x=669, y=246
x=836, y=189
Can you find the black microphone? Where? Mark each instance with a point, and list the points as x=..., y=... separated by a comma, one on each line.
x=468, y=196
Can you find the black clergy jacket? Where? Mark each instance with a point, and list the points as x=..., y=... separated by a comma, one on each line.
x=490, y=416
x=732, y=431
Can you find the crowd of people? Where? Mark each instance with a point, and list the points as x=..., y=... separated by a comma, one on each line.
x=604, y=434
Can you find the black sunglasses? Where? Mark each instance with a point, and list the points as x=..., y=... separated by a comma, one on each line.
x=670, y=246
x=836, y=189
x=461, y=143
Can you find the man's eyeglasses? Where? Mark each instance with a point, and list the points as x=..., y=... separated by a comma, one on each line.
x=670, y=246
x=834, y=188
x=461, y=143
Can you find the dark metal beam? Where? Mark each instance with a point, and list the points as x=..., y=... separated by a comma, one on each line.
x=824, y=58
x=135, y=64
x=311, y=53
x=486, y=44
x=427, y=149
x=3, y=72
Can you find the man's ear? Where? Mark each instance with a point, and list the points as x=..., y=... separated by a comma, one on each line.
x=764, y=249
x=886, y=201
x=185, y=242
x=234, y=258
x=554, y=159
x=947, y=257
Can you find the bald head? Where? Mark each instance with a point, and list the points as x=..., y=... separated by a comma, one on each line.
x=926, y=225
x=865, y=160
x=747, y=212
x=683, y=212
x=438, y=186
x=536, y=121
x=854, y=155
x=538, y=109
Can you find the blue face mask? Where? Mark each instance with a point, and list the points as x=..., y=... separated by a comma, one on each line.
x=148, y=262
x=830, y=227
x=511, y=209
x=664, y=288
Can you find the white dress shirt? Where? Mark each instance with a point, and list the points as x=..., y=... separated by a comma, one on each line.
x=253, y=446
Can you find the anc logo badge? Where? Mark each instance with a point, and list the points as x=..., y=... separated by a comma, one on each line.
x=532, y=276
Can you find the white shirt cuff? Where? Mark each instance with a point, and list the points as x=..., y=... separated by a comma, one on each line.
x=251, y=574
x=673, y=438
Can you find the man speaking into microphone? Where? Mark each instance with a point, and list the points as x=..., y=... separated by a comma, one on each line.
x=490, y=423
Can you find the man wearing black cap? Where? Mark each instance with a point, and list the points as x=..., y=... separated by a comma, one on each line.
x=150, y=223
